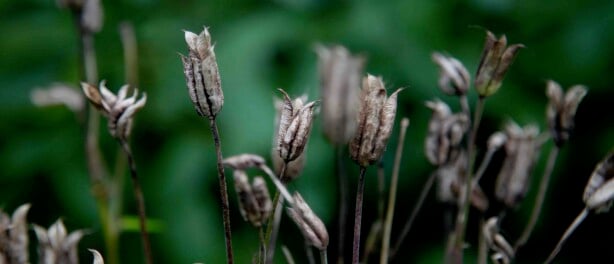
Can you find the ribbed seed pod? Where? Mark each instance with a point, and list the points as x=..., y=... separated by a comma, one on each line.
x=495, y=61
x=599, y=191
x=561, y=110
x=311, y=226
x=254, y=201
x=294, y=128
x=445, y=133
x=14, y=236
x=453, y=76
x=295, y=167
x=56, y=245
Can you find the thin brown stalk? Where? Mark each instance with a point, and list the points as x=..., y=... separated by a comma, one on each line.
x=140, y=202
x=539, y=200
x=343, y=203
x=223, y=190
x=358, y=216
x=275, y=221
x=262, y=247
x=287, y=255
x=393, y=193
x=567, y=233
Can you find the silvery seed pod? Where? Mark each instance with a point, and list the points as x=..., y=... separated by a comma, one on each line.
x=261, y=193
x=119, y=109
x=202, y=75
x=244, y=161
x=453, y=76
x=294, y=128
x=311, y=226
x=445, y=133
x=97, y=257
x=295, y=167
x=14, y=236
x=561, y=110
x=55, y=245
x=599, y=191
x=254, y=201
x=340, y=73
x=495, y=61
x=375, y=121
x=503, y=251
x=521, y=153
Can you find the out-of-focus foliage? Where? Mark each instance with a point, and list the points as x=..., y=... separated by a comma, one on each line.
x=263, y=45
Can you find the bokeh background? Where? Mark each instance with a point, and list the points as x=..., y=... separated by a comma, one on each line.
x=262, y=45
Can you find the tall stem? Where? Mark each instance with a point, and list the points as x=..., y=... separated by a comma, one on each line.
x=262, y=247
x=539, y=200
x=140, y=202
x=482, y=246
x=343, y=203
x=393, y=193
x=567, y=233
x=223, y=190
x=323, y=257
x=310, y=258
x=275, y=221
x=358, y=216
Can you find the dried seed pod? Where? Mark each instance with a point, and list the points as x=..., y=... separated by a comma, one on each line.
x=97, y=257
x=14, y=236
x=496, y=140
x=294, y=128
x=561, y=110
x=503, y=251
x=311, y=226
x=375, y=121
x=599, y=191
x=340, y=74
x=295, y=167
x=495, y=61
x=202, y=75
x=445, y=133
x=261, y=193
x=56, y=245
x=58, y=94
x=244, y=161
x=521, y=153
x=119, y=109
x=453, y=76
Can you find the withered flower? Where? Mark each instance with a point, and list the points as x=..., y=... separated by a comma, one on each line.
x=503, y=251
x=453, y=76
x=311, y=226
x=202, y=75
x=599, y=191
x=495, y=61
x=561, y=110
x=375, y=121
x=294, y=127
x=340, y=74
x=295, y=167
x=97, y=257
x=254, y=200
x=119, y=109
x=445, y=133
x=14, y=236
x=521, y=152
x=55, y=245
x=451, y=182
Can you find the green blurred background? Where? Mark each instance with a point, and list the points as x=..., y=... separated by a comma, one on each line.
x=262, y=45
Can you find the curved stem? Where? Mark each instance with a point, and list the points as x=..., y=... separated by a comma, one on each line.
x=287, y=255
x=323, y=257
x=539, y=200
x=393, y=193
x=223, y=190
x=278, y=200
x=140, y=201
x=311, y=259
x=343, y=203
x=567, y=233
x=262, y=252
x=358, y=216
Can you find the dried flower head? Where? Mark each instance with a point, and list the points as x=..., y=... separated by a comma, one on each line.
x=119, y=109
x=55, y=245
x=451, y=182
x=58, y=94
x=446, y=131
x=561, y=110
x=244, y=161
x=254, y=200
x=294, y=127
x=295, y=167
x=453, y=76
x=503, y=251
x=311, y=226
x=599, y=191
x=521, y=152
x=495, y=61
x=14, y=236
x=375, y=121
x=97, y=257
x=340, y=74
x=202, y=75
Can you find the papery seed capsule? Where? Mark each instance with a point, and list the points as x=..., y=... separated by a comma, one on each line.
x=495, y=61
x=311, y=226
x=294, y=128
x=561, y=110
x=453, y=77
x=599, y=191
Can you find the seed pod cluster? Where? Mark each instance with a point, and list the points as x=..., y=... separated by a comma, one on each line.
x=340, y=74
x=453, y=76
x=599, y=191
x=521, y=153
x=202, y=75
x=119, y=109
x=311, y=226
x=56, y=245
x=14, y=236
x=561, y=110
x=503, y=252
x=254, y=200
x=495, y=61
x=375, y=121
x=294, y=127
x=445, y=133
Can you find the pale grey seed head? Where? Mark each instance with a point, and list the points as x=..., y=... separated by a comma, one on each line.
x=248, y=205
x=599, y=191
x=295, y=124
x=244, y=161
x=561, y=110
x=311, y=226
x=445, y=133
x=453, y=76
x=261, y=193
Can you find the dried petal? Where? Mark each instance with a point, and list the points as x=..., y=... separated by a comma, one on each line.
x=561, y=110
x=599, y=190
x=97, y=257
x=244, y=161
x=453, y=77
x=494, y=63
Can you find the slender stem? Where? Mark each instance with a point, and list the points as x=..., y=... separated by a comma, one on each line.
x=567, y=233
x=465, y=105
x=381, y=186
x=464, y=205
x=539, y=200
x=275, y=221
x=287, y=255
x=129, y=45
x=358, y=216
x=262, y=251
x=478, y=175
x=414, y=213
x=323, y=257
x=140, y=201
x=223, y=190
x=393, y=193
x=482, y=247
x=343, y=203
x=309, y=252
